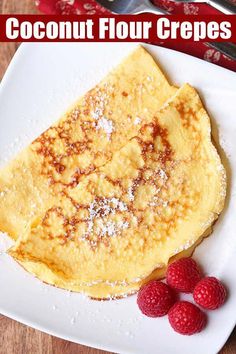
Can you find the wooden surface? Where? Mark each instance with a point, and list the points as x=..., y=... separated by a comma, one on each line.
x=15, y=337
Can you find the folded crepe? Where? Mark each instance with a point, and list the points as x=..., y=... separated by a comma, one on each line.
x=102, y=200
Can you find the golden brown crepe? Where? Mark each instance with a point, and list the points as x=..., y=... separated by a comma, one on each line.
x=104, y=199
x=131, y=215
x=83, y=139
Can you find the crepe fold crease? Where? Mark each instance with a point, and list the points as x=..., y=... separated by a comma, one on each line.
x=124, y=182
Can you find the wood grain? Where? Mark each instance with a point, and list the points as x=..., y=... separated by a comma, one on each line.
x=12, y=7
x=15, y=337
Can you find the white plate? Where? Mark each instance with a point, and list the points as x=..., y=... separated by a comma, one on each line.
x=42, y=81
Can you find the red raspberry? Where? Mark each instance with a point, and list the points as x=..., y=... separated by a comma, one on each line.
x=186, y=318
x=183, y=275
x=209, y=293
x=155, y=299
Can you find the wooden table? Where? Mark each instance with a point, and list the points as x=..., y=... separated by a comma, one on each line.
x=15, y=337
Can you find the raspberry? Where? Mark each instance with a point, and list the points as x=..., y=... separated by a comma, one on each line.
x=183, y=275
x=186, y=318
x=209, y=293
x=155, y=299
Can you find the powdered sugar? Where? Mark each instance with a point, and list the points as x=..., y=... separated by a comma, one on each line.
x=97, y=113
x=112, y=228
x=131, y=194
x=106, y=125
x=162, y=174
x=187, y=245
x=100, y=221
x=137, y=121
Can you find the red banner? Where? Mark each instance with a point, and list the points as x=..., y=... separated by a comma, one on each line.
x=145, y=28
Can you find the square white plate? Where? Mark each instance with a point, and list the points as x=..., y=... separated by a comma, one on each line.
x=43, y=80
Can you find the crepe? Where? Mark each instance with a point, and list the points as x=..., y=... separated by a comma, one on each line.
x=156, y=196
x=85, y=138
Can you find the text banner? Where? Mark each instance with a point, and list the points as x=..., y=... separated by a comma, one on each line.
x=145, y=28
